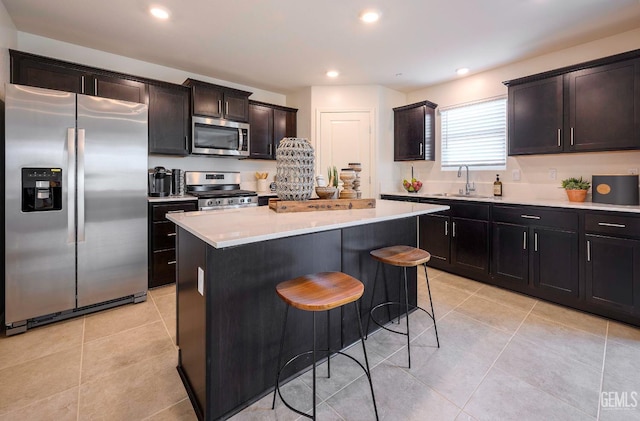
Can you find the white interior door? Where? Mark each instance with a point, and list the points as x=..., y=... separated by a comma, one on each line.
x=345, y=137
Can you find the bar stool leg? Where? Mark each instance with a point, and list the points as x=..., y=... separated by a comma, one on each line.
x=433, y=314
x=314, y=366
x=284, y=330
x=329, y=344
x=366, y=359
x=406, y=314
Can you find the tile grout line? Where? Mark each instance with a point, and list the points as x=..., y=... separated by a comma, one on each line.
x=164, y=324
x=164, y=409
x=496, y=359
x=84, y=320
x=604, y=358
x=569, y=326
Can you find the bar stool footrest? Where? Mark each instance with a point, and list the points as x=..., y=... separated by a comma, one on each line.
x=399, y=304
x=295, y=357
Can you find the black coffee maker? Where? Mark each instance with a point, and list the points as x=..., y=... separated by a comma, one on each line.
x=159, y=182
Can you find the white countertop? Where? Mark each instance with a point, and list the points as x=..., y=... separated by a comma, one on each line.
x=234, y=227
x=530, y=202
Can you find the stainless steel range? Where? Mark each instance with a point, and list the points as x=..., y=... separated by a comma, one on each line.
x=218, y=190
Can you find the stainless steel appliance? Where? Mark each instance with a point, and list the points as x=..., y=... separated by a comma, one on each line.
x=159, y=182
x=211, y=136
x=218, y=190
x=75, y=205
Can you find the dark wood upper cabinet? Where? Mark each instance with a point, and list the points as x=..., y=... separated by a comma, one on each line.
x=119, y=88
x=269, y=124
x=414, y=132
x=169, y=119
x=215, y=101
x=604, y=107
x=592, y=106
x=536, y=117
x=43, y=72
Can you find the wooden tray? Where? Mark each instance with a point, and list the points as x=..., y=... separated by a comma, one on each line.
x=283, y=206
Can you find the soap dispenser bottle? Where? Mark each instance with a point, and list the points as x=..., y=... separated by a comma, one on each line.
x=497, y=186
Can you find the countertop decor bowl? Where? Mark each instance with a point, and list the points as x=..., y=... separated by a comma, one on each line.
x=414, y=189
x=326, y=192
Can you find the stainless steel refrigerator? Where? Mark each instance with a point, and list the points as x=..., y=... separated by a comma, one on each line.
x=75, y=205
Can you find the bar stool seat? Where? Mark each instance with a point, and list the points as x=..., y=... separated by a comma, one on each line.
x=401, y=256
x=315, y=293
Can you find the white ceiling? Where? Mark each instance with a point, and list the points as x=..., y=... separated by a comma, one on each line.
x=282, y=45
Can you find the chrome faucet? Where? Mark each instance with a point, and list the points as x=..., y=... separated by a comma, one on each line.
x=468, y=188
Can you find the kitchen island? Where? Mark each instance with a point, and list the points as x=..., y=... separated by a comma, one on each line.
x=229, y=318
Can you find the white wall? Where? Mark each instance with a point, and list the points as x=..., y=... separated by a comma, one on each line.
x=8, y=39
x=534, y=169
x=366, y=97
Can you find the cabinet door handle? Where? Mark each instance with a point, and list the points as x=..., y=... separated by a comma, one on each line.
x=171, y=234
x=609, y=224
x=535, y=241
x=176, y=211
x=219, y=106
x=446, y=228
x=82, y=83
x=172, y=262
x=270, y=148
x=588, y=251
x=186, y=142
x=453, y=229
x=226, y=108
x=95, y=87
x=529, y=217
x=559, y=137
x=572, y=136
x=421, y=149
x=524, y=240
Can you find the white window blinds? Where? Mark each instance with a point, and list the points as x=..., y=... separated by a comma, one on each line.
x=474, y=134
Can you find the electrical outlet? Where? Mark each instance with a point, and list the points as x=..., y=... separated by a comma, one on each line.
x=553, y=174
x=633, y=171
x=515, y=175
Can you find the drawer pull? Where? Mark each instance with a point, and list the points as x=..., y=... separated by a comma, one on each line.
x=529, y=217
x=171, y=234
x=609, y=224
x=176, y=211
x=173, y=262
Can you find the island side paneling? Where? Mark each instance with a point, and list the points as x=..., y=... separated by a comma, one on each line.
x=229, y=338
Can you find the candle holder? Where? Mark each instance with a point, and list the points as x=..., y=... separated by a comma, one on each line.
x=356, y=167
x=347, y=176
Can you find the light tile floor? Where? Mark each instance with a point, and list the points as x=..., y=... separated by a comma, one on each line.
x=503, y=356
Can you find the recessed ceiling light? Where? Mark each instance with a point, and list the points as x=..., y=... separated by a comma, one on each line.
x=333, y=73
x=462, y=71
x=159, y=13
x=369, y=16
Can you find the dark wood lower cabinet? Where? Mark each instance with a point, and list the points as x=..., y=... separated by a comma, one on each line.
x=162, y=243
x=229, y=329
x=612, y=273
x=587, y=260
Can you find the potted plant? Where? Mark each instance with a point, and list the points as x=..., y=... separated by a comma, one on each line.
x=576, y=188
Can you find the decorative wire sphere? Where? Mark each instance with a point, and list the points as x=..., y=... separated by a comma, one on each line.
x=294, y=169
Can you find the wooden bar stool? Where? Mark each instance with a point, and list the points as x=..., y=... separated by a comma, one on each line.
x=402, y=256
x=320, y=292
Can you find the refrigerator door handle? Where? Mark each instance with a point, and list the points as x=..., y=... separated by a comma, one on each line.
x=71, y=184
x=81, y=135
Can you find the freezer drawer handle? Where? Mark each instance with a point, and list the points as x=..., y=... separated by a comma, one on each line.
x=609, y=224
x=71, y=184
x=529, y=217
x=81, y=236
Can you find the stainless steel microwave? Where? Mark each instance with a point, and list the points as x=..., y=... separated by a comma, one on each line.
x=211, y=136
